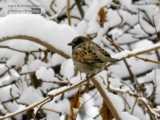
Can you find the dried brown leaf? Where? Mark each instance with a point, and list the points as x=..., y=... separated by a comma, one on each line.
x=105, y=112
x=101, y=16
x=45, y=55
x=76, y=104
x=86, y=89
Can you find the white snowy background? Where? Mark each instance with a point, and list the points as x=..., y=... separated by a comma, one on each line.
x=25, y=76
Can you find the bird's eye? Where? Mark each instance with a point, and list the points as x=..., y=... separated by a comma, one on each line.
x=79, y=40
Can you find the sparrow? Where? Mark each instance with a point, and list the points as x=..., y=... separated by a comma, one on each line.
x=88, y=56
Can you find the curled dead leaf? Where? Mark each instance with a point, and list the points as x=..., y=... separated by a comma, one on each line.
x=101, y=16
x=45, y=55
x=76, y=104
x=105, y=112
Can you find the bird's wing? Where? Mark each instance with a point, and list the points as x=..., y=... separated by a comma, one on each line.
x=103, y=51
x=84, y=54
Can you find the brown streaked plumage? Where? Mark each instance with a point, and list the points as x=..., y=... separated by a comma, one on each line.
x=88, y=56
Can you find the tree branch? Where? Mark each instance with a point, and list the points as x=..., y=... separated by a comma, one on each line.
x=148, y=49
x=68, y=12
x=106, y=99
x=28, y=108
x=33, y=39
x=51, y=6
x=79, y=7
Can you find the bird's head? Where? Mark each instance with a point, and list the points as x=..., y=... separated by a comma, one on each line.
x=78, y=40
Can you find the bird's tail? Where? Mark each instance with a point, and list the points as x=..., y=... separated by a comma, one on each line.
x=113, y=60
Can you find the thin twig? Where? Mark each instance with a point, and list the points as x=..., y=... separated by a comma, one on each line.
x=6, y=107
x=1, y=75
x=89, y=98
x=126, y=85
x=43, y=108
x=33, y=39
x=121, y=19
x=79, y=7
x=133, y=77
x=32, y=72
x=3, y=102
x=32, y=3
x=68, y=12
x=28, y=108
x=127, y=30
x=76, y=17
x=141, y=24
x=150, y=111
x=116, y=24
x=149, y=20
x=155, y=29
x=15, y=99
x=138, y=97
x=23, y=51
x=127, y=9
x=133, y=107
x=51, y=6
x=138, y=53
x=100, y=113
x=57, y=82
x=47, y=98
x=7, y=84
x=125, y=101
x=106, y=98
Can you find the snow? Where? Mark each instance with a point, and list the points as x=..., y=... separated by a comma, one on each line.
x=13, y=77
x=67, y=68
x=58, y=36
x=81, y=27
x=30, y=96
x=115, y=82
x=120, y=55
x=46, y=31
x=158, y=93
x=77, y=79
x=92, y=10
x=62, y=106
x=55, y=91
x=46, y=74
x=20, y=109
x=57, y=59
x=16, y=60
x=51, y=115
x=35, y=65
x=35, y=110
x=142, y=66
x=116, y=100
x=126, y=38
x=137, y=30
x=4, y=93
x=25, y=45
x=125, y=53
x=88, y=107
x=3, y=69
x=127, y=116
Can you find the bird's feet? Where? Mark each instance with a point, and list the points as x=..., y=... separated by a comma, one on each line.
x=87, y=77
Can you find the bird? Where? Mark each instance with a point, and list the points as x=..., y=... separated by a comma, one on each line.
x=88, y=56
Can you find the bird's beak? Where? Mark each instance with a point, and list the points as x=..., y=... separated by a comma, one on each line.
x=71, y=44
